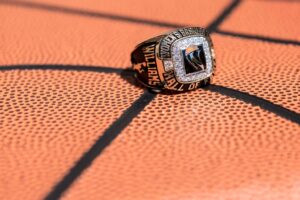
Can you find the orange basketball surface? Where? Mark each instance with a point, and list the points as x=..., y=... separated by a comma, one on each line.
x=75, y=125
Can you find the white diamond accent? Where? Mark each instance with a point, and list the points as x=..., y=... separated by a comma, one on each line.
x=168, y=65
x=178, y=61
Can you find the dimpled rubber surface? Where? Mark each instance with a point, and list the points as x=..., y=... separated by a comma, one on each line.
x=273, y=19
x=168, y=12
x=48, y=120
x=278, y=82
x=235, y=151
x=73, y=124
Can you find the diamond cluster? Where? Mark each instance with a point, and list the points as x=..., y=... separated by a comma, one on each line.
x=178, y=60
x=168, y=65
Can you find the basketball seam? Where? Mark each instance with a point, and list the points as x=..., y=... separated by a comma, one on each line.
x=256, y=101
x=102, y=142
x=258, y=37
x=62, y=68
x=226, y=12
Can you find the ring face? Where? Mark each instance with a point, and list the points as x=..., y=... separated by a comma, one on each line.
x=191, y=59
x=181, y=60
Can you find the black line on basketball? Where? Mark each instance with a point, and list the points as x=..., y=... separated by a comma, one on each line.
x=62, y=67
x=226, y=12
x=256, y=101
x=258, y=37
x=99, y=146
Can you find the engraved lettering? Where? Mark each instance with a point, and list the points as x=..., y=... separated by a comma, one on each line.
x=193, y=85
x=149, y=54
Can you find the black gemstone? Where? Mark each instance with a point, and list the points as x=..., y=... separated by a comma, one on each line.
x=194, y=59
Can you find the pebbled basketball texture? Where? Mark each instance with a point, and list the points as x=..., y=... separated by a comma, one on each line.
x=75, y=125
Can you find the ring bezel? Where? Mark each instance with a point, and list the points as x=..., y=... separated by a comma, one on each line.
x=178, y=59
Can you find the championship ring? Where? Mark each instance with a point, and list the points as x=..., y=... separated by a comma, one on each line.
x=181, y=60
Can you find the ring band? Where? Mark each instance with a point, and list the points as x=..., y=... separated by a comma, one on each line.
x=181, y=60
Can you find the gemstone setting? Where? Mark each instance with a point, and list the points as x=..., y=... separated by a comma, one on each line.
x=168, y=64
x=178, y=59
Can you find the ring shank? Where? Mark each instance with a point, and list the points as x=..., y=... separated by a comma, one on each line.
x=143, y=59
